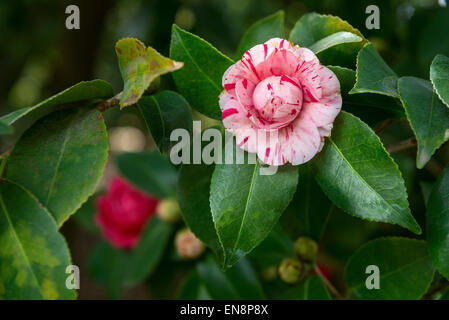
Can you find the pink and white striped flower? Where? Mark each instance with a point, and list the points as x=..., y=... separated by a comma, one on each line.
x=280, y=102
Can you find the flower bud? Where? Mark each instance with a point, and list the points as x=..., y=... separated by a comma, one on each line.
x=168, y=210
x=306, y=248
x=187, y=245
x=269, y=273
x=290, y=270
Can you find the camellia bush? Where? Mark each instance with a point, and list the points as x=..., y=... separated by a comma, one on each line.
x=309, y=114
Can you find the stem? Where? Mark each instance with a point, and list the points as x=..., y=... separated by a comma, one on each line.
x=106, y=104
x=436, y=290
x=384, y=125
x=434, y=167
x=328, y=284
x=402, y=145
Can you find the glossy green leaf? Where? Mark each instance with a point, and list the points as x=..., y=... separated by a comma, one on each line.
x=373, y=74
x=437, y=220
x=405, y=269
x=246, y=205
x=439, y=75
x=359, y=176
x=61, y=159
x=334, y=40
x=149, y=172
x=33, y=255
x=5, y=128
x=370, y=107
x=85, y=90
x=428, y=116
x=239, y=282
x=200, y=79
x=273, y=249
x=312, y=28
x=144, y=258
x=193, y=197
x=163, y=113
x=312, y=288
x=139, y=66
x=261, y=31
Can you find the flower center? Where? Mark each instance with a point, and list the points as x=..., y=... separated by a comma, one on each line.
x=278, y=101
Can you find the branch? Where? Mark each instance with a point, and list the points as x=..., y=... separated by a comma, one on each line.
x=106, y=104
x=384, y=125
x=402, y=145
x=328, y=284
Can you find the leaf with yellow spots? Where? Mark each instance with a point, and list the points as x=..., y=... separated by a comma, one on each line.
x=139, y=67
x=33, y=255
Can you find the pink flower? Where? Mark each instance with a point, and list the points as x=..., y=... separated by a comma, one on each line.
x=280, y=102
x=123, y=212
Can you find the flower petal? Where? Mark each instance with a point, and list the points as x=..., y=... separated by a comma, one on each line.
x=323, y=112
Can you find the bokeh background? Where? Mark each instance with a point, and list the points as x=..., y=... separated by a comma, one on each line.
x=39, y=57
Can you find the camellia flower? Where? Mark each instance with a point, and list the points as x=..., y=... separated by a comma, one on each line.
x=123, y=212
x=280, y=102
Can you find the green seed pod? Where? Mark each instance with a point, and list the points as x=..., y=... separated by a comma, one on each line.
x=290, y=270
x=306, y=248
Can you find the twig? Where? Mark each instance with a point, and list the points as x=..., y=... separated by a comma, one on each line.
x=402, y=145
x=106, y=104
x=328, y=284
x=384, y=125
x=434, y=167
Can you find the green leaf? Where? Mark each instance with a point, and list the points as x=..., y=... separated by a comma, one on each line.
x=313, y=27
x=311, y=289
x=193, y=288
x=261, y=31
x=85, y=215
x=61, y=159
x=370, y=107
x=405, y=269
x=5, y=128
x=149, y=172
x=85, y=90
x=34, y=255
x=193, y=196
x=359, y=176
x=239, y=282
x=144, y=258
x=439, y=75
x=139, y=66
x=273, y=249
x=428, y=116
x=373, y=74
x=437, y=219
x=246, y=205
x=163, y=113
x=333, y=40
x=200, y=79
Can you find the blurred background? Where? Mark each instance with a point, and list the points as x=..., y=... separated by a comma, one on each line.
x=39, y=57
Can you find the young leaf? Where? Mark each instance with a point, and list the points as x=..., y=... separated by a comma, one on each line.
x=200, y=79
x=239, y=282
x=333, y=40
x=149, y=172
x=246, y=205
x=5, y=128
x=139, y=66
x=437, y=219
x=193, y=197
x=373, y=74
x=311, y=289
x=61, y=159
x=370, y=107
x=85, y=90
x=163, y=113
x=439, y=75
x=405, y=269
x=34, y=255
x=428, y=116
x=143, y=259
x=359, y=176
x=313, y=27
x=261, y=31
